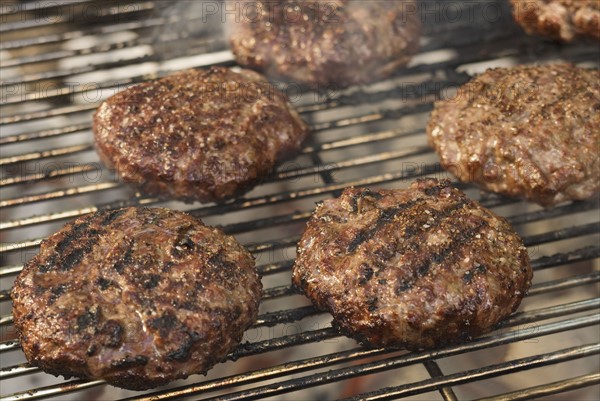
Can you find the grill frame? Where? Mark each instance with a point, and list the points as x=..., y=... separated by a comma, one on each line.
x=416, y=100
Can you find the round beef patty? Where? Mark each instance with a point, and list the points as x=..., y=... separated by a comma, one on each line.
x=527, y=131
x=137, y=297
x=559, y=19
x=415, y=268
x=205, y=135
x=326, y=43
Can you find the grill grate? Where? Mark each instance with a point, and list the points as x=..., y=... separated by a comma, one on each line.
x=56, y=57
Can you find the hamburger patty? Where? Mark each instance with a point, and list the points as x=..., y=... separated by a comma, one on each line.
x=527, y=131
x=416, y=268
x=138, y=297
x=205, y=135
x=333, y=43
x=559, y=19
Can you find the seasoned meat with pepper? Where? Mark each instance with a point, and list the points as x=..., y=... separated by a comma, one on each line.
x=416, y=268
x=559, y=19
x=138, y=297
x=205, y=135
x=326, y=43
x=527, y=131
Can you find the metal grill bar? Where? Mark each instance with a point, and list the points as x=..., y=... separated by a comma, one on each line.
x=404, y=359
x=469, y=39
x=283, y=175
x=193, y=47
x=484, y=373
x=44, y=134
x=102, y=30
x=293, y=315
x=59, y=19
x=565, y=233
x=346, y=373
x=47, y=175
x=484, y=342
x=589, y=252
x=559, y=285
x=219, y=209
x=7, y=10
x=583, y=254
x=35, y=156
x=549, y=389
x=49, y=391
x=39, y=115
x=435, y=372
x=61, y=55
x=60, y=194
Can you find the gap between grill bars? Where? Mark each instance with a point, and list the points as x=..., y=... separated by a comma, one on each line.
x=373, y=135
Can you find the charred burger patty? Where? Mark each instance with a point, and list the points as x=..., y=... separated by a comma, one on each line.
x=138, y=297
x=527, y=131
x=559, y=19
x=415, y=268
x=326, y=43
x=206, y=135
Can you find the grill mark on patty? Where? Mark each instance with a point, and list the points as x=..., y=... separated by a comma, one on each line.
x=182, y=354
x=412, y=230
x=111, y=215
x=103, y=283
x=151, y=281
x=129, y=361
x=56, y=292
x=89, y=318
x=386, y=216
x=165, y=323
x=126, y=260
x=112, y=333
x=219, y=261
x=435, y=190
x=356, y=200
x=446, y=255
x=183, y=244
x=74, y=257
x=470, y=274
x=73, y=247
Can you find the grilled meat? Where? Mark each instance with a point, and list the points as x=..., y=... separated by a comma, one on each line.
x=138, y=297
x=559, y=19
x=326, y=43
x=415, y=268
x=205, y=135
x=527, y=131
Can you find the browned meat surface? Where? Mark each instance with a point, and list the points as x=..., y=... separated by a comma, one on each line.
x=415, y=268
x=138, y=297
x=559, y=19
x=527, y=131
x=205, y=135
x=334, y=43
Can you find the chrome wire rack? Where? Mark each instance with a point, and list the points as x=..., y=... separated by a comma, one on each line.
x=59, y=59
